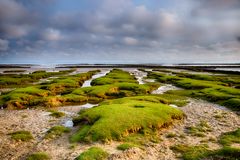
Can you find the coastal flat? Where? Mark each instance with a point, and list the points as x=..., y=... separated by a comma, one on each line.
x=128, y=97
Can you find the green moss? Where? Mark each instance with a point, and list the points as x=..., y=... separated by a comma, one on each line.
x=32, y=91
x=214, y=95
x=74, y=98
x=20, y=80
x=39, y=156
x=98, y=121
x=21, y=136
x=159, y=98
x=67, y=84
x=93, y=153
x=161, y=77
x=202, y=152
x=226, y=153
x=56, y=131
x=197, y=76
x=47, y=94
x=230, y=137
x=17, y=100
x=115, y=76
x=171, y=135
x=115, y=84
x=191, y=152
x=56, y=114
x=125, y=146
x=81, y=134
x=116, y=90
x=233, y=103
x=207, y=87
x=194, y=84
x=200, y=129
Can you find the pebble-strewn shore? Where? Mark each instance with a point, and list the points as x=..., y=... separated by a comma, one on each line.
x=39, y=121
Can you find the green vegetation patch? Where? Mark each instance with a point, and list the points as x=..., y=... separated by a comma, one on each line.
x=171, y=135
x=202, y=152
x=46, y=94
x=208, y=87
x=93, y=153
x=21, y=135
x=32, y=91
x=116, y=84
x=56, y=114
x=67, y=84
x=56, y=131
x=116, y=90
x=115, y=76
x=200, y=129
x=230, y=137
x=233, y=103
x=125, y=146
x=39, y=156
x=227, y=152
x=99, y=123
x=191, y=152
x=20, y=80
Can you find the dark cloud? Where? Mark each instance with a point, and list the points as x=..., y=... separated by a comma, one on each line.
x=238, y=38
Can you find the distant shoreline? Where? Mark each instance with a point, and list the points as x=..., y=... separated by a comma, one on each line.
x=216, y=68
x=145, y=65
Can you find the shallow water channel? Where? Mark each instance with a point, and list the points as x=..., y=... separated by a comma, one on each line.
x=71, y=111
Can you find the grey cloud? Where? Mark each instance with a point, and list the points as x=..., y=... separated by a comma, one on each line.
x=51, y=34
x=238, y=38
x=16, y=20
x=117, y=27
x=3, y=45
x=137, y=22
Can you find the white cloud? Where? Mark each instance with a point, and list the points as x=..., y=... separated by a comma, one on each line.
x=130, y=41
x=52, y=34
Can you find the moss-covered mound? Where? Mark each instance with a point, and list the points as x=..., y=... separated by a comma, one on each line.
x=39, y=156
x=93, y=153
x=115, y=76
x=56, y=131
x=116, y=119
x=202, y=152
x=229, y=138
x=125, y=146
x=21, y=135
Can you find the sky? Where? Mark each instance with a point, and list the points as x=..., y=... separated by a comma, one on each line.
x=119, y=31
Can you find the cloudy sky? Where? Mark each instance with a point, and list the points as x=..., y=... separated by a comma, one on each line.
x=119, y=31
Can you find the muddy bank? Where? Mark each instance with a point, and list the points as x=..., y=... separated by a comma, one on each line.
x=35, y=121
